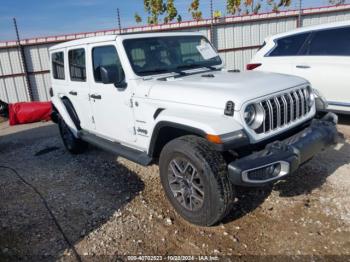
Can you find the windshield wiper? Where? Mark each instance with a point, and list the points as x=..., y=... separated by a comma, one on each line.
x=161, y=70
x=154, y=71
x=196, y=66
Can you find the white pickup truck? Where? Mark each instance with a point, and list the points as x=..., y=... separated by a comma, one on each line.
x=166, y=98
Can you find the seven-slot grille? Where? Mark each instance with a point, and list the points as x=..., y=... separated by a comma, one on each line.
x=284, y=109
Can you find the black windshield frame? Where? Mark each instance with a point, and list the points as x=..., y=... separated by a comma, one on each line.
x=166, y=44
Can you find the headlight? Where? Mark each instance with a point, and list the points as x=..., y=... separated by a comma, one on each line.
x=254, y=116
x=309, y=96
x=249, y=114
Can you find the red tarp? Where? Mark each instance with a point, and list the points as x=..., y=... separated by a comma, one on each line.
x=29, y=112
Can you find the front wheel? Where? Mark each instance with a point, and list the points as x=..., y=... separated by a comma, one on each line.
x=194, y=177
x=73, y=145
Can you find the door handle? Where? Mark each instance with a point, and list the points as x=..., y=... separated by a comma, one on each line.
x=73, y=93
x=303, y=66
x=94, y=96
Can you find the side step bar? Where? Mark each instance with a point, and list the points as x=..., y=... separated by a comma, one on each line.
x=134, y=155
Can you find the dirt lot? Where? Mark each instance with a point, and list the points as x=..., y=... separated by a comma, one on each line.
x=114, y=207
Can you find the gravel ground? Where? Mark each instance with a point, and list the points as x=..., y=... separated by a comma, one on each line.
x=108, y=206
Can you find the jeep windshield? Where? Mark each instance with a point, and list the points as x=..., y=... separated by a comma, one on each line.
x=160, y=55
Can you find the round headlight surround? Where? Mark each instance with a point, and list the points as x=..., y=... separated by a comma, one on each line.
x=309, y=95
x=249, y=114
x=254, y=116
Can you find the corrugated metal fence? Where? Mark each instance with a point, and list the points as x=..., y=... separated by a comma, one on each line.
x=236, y=38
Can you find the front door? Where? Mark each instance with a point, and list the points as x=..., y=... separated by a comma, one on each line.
x=111, y=106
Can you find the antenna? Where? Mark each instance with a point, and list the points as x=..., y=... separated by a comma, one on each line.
x=119, y=23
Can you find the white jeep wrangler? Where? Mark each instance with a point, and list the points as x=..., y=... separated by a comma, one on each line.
x=166, y=98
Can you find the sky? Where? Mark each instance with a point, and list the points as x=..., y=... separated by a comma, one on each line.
x=44, y=18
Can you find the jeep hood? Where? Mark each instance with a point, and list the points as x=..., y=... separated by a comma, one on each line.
x=215, y=88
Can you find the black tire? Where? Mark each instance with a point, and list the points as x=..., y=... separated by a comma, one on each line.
x=211, y=179
x=73, y=145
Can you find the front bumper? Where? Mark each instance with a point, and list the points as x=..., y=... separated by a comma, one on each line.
x=282, y=158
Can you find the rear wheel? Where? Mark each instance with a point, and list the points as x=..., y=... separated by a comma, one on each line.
x=73, y=145
x=194, y=177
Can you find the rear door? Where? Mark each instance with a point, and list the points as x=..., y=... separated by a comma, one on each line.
x=325, y=62
x=77, y=88
x=280, y=58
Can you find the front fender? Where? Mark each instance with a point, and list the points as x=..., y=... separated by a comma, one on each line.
x=62, y=110
x=208, y=123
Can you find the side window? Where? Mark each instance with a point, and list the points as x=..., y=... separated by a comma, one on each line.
x=107, y=57
x=289, y=46
x=77, y=67
x=58, y=65
x=333, y=42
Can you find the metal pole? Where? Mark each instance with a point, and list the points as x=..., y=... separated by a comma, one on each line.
x=211, y=23
x=119, y=23
x=300, y=11
x=24, y=62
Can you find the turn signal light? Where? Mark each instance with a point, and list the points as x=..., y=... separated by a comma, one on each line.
x=253, y=66
x=214, y=139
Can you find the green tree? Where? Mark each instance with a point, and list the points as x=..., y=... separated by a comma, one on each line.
x=138, y=18
x=217, y=14
x=277, y=5
x=171, y=11
x=254, y=6
x=179, y=18
x=284, y=3
x=233, y=6
x=154, y=8
x=194, y=10
x=257, y=8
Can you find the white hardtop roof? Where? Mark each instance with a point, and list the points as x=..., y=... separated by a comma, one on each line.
x=106, y=38
x=312, y=28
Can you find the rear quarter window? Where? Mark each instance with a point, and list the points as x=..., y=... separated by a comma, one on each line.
x=289, y=46
x=58, y=65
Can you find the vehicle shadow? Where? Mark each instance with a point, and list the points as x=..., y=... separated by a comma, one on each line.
x=248, y=199
x=310, y=176
x=83, y=192
x=314, y=174
x=344, y=119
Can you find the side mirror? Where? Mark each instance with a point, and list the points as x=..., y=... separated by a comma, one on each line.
x=113, y=75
